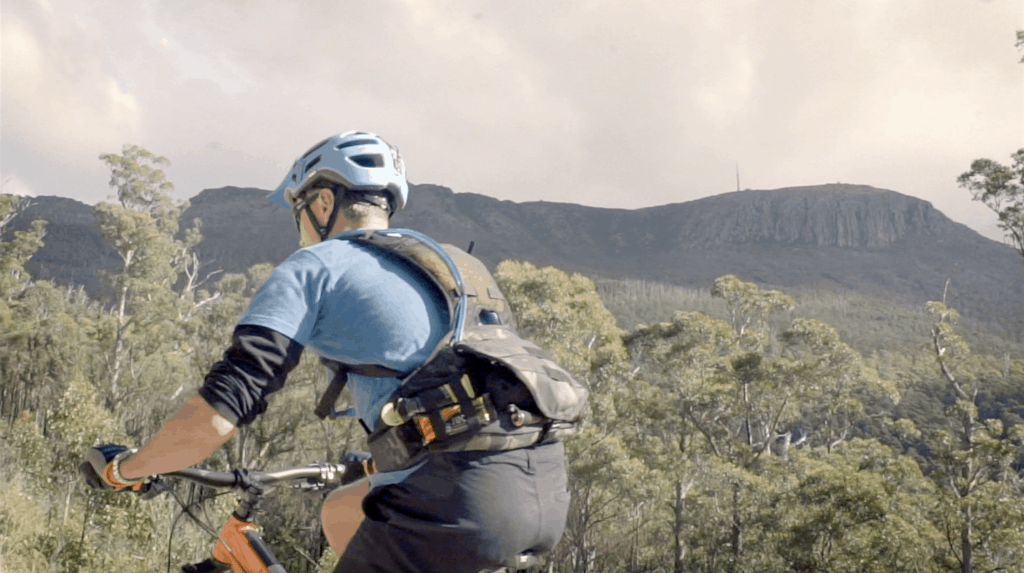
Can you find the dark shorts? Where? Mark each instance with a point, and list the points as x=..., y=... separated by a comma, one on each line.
x=463, y=512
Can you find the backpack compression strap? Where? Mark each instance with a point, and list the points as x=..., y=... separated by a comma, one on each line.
x=325, y=408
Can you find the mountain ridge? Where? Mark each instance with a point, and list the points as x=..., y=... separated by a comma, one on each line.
x=856, y=237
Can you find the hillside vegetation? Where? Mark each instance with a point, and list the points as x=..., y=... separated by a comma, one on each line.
x=730, y=428
x=869, y=324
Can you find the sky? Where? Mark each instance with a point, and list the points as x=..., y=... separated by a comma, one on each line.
x=607, y=103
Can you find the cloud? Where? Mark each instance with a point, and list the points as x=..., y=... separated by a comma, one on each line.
x=14, y=185
x=449, y=91
x=56, y=97
x=600, y=102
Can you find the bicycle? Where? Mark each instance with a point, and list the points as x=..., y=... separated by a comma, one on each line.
x=240, y=547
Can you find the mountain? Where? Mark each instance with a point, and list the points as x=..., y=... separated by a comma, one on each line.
x=874, y=241
x=74, y=252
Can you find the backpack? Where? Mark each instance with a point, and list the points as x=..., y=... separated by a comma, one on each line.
x=482, y=387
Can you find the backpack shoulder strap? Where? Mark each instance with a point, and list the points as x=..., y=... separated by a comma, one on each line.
x=431, y=259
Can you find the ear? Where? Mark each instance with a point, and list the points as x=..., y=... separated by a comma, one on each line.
x=327, y=201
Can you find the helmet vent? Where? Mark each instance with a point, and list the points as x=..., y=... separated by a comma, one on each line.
x=314, y=148
x=368, y=160
x=312, y=163
x=357, y=142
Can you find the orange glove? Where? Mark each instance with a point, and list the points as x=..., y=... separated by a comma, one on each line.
x=102, y=469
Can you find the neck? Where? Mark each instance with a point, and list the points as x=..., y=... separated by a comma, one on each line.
x=373, y=223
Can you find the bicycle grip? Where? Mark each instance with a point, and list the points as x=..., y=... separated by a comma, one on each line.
x=208, y=566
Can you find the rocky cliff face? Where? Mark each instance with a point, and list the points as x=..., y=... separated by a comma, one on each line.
x=845, y=216
x=834, y=215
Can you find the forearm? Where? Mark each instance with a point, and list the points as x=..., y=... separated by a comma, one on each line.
x=255, y=365
x=187, y=438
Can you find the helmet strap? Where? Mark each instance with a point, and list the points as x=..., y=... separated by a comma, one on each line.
x=323, y=231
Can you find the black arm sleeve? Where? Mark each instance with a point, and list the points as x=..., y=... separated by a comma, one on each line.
x=255, y=366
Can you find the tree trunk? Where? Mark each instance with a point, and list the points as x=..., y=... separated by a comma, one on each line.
x=966, y=546
x=737, y=530
x=746, y=414
x=677, y=529
x=583, y=548
x=118, y=361
x=67, y=503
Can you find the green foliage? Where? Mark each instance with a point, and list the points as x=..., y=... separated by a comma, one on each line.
x=841, y=385
x=874, y=326
x=748, y=305
x=18, y=249
x=142, y=186
x=973, y=461
x=1001, y=189
x=22, y=524
x=858, y=507
x=563, y=314
x=701, y=390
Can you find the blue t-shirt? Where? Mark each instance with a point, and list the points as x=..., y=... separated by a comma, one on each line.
x=356, y=304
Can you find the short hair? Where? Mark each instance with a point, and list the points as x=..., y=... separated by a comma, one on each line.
x=360, y=207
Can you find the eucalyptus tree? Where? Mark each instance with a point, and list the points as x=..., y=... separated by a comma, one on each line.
x=973, y=463
x=150, y=331
x=680, y=408
x=16, y=248
x=705, y=393
x=723, y=403
x=859, y=507
x=836, y=380
x=1000, y=188
x=140, y=227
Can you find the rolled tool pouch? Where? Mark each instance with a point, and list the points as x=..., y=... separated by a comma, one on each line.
x=396, y=448
x=439, y=407
x=467, y=399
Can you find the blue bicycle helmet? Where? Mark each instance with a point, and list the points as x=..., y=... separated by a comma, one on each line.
x=355, y=160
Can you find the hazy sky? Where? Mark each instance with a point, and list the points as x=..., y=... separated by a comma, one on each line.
x=610, y=103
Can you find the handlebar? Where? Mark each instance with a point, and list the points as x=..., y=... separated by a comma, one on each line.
x=250, y=553
x=322, y=473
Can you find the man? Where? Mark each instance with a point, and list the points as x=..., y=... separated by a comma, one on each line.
x=354, y=304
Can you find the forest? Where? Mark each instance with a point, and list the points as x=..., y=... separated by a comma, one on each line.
x=737, y=428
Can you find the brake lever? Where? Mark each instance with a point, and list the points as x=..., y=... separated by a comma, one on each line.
x=155, y=487
x=328, y=474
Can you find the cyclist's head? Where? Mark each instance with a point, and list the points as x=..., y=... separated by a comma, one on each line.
x=356, y=168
